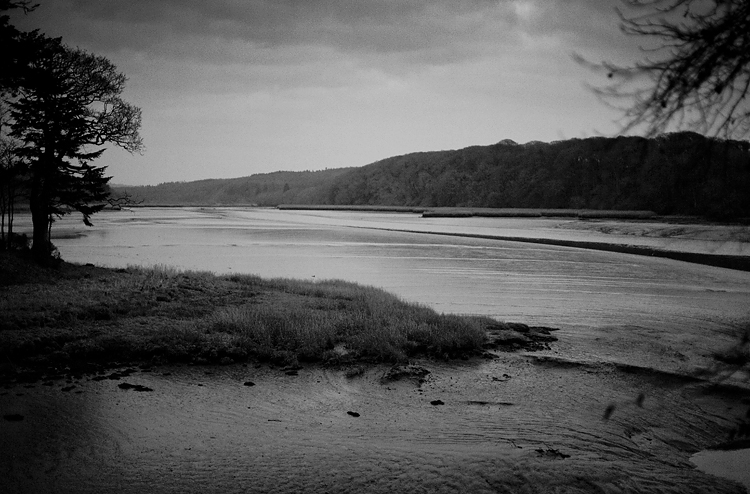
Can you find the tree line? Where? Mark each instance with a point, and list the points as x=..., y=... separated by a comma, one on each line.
x=678, y=173
x=267, y=189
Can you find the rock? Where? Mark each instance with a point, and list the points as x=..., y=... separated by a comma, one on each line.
x=518, y=327
x=437, y=402
x=505, y=337
x=248, y=383
x=404, y=371
x=134, y=387
x=354, y=371
x=116, y=376
x=504, y=378
x=551, y=453
x=353, y=414
x=517, y=336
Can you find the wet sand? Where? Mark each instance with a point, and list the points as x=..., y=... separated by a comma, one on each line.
x=524, y=422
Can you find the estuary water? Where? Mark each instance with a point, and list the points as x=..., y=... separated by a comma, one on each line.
x=531, y=283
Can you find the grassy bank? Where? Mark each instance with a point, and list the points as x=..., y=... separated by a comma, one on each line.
x=90, y=314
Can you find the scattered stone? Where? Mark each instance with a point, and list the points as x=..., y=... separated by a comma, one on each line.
x=353, y=414
x=13, y=417
x=398, y=372
x=437, y=402
x=67, y=388
x=517, y=336
x=354, y=371
x=517, y=326
x=116, y=376
x=248, y=383
x=490, y=403
x=134, y=387
x=551, y=453
x=291, y=373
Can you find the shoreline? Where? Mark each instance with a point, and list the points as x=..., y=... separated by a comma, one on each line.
x=739, y=263
x=58, y=317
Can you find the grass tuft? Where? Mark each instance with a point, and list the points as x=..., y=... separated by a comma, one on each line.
x=86, y=313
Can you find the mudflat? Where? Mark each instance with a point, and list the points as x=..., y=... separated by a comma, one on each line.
x=523, y=422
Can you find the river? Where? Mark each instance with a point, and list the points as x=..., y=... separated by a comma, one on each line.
x=537, y=284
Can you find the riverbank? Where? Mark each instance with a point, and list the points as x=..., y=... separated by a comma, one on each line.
x=83, y=315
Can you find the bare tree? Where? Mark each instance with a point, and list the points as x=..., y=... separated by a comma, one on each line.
x=697, y=76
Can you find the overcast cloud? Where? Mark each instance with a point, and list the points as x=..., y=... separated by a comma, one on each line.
x=234, y=87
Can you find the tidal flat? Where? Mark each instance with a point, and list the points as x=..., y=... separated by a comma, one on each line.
x=134, y=379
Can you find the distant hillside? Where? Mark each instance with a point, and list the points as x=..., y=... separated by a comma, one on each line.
x=680, y=173
x=267, y=189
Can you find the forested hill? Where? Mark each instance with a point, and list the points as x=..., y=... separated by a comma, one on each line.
x=680, y=173
x=266, y=189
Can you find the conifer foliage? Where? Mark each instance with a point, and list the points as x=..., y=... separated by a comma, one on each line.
x=65, y=105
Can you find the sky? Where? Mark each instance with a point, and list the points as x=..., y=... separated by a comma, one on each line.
x=230, y=88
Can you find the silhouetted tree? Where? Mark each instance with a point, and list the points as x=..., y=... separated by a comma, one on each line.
x=13, y=174
x=65, y=106
x=697, y=76
x=12, y=167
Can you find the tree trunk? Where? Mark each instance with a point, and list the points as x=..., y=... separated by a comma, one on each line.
x=41, y=247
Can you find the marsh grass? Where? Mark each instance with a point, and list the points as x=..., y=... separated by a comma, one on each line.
x=86, y=313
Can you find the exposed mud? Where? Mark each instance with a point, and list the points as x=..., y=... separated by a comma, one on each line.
x=517, y=423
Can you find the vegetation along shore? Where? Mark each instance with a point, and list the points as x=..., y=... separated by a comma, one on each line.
x=88, y=317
